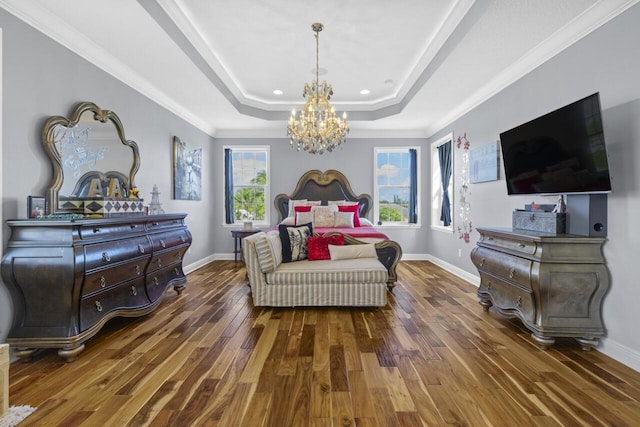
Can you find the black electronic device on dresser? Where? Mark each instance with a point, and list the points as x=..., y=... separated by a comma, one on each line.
x=95, y=255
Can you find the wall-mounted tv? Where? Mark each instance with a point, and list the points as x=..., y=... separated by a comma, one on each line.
x=562, y=152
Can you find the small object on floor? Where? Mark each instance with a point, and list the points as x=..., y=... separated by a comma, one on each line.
x=15, y=415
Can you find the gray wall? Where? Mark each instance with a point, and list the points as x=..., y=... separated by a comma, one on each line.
x=606, y=61
x=41, y=79
x=354, y=159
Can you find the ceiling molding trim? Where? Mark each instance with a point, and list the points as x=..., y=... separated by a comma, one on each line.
x=57, y=30
x=590, y=20
x=354, y=134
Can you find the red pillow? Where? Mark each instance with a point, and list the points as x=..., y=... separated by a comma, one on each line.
x=300, y=208
x=318, y=247
x=351, y=208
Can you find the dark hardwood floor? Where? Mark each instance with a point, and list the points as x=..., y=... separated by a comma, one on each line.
x=431, y=357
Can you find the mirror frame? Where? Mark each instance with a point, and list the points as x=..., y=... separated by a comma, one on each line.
x=52, y=194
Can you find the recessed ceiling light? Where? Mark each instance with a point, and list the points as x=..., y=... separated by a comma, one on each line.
x=365, y=92
x=277, y=92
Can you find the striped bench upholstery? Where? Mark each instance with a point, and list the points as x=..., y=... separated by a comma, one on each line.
x=352, y=282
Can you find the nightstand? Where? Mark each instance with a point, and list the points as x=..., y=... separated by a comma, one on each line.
x=238, y=235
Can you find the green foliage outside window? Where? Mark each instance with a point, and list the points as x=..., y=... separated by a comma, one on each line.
x=249, y=202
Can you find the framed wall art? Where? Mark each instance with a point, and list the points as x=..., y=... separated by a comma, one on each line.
x=36, y=206
x=484, y=163
x=187, y=170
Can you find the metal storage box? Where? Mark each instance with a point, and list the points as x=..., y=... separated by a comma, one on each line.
x=547, y=222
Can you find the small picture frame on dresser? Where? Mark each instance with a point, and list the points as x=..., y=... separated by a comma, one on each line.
x=36, y=206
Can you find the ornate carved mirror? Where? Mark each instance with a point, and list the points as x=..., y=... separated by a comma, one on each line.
x=90, y=145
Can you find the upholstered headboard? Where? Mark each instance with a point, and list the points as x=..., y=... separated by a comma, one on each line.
x=323, y=186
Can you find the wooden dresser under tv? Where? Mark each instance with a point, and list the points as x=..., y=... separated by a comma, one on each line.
x=554, y=283
x=67, y=278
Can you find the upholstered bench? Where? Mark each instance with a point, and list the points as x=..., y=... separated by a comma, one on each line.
x=360, y=281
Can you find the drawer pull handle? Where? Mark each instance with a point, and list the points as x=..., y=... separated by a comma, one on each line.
x=482, y=262
x=134, y=291
x=103, y=282
x=522, y=245
x=97, y=229
x=519, y=301
x=163, y=243
x=489, y=238
x=159, y=261
x=133, y=226
x=512, y=273
x=98, y=306
x=137, y=270
x=182, y=239
x=141, y=249
x=156, y=282
x=488, y=286
x=154, y=224
x=106, y=257
x=175, y=270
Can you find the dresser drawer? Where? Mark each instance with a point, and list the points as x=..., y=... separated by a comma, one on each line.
x=166, y=258
x=158, y=281
x=103, y=279
x=510, y=244
x=169, y=239
x=508, y=267
x=160, y=224
x=129, y=295
x=507, y=296
x=105, y=230
x=109, y=253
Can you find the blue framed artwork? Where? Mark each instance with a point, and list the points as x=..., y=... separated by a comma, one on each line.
x=484, y=163
x=187, y=170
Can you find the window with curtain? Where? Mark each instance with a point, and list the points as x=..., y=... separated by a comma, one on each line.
x=246, y=184
x=442, y=184
x=396, y=186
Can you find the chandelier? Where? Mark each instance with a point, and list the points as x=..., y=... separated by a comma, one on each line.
x=318, y=129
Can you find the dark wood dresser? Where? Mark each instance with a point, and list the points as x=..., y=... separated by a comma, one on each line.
x=555, y=284
x=67, y=278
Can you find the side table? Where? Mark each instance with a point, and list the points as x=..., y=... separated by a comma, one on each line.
x=238, y=235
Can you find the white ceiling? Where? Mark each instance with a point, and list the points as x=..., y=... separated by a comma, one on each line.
x=216, y=63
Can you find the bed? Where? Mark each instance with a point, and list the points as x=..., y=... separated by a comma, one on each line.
x=330, y=186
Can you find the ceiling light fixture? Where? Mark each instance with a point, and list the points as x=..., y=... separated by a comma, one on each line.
x=318, y=128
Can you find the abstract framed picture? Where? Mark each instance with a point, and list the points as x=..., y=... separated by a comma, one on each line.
x=187, y=170
x=36, y=206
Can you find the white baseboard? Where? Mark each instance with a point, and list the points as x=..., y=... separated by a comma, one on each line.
x=465, y=275
x=621, y=353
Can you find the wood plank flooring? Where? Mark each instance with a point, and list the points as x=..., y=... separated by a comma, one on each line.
x=431, y=357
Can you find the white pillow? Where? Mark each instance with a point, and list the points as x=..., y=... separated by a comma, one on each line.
x=323, y=215
x=367, y=250
x=335, y=202
x=304, y=218
x=288, y=221
x=365, y=222
x=343, y=219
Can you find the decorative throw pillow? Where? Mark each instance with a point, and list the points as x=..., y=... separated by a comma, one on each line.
x=323, y=215
x=269, y=250
x=304, y=217
x=343, y=219
x=302, y=208
x=352, y=208
x=318, y=247
x=367, y=250
x=335, y=202
x=294, y=241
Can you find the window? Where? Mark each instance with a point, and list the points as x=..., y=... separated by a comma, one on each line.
x=442, y=196
x=396, y=186
x=246, y=179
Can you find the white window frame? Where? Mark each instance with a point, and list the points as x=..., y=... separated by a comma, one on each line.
x=267, y=194
x=436, y=185
x=376, y=198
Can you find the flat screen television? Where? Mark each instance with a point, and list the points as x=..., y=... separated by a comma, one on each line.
x=562, y=152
